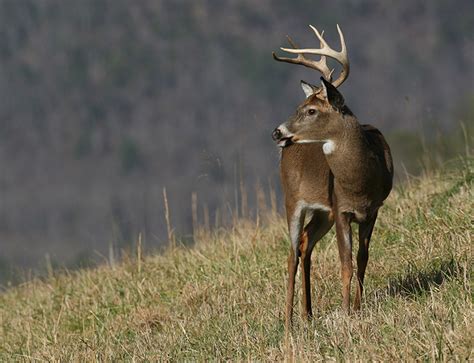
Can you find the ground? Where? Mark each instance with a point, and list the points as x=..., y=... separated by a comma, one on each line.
x=224, y=297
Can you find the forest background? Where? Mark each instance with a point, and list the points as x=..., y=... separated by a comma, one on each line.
x=104, y=103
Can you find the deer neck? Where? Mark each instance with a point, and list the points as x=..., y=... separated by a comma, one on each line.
x=346, y=153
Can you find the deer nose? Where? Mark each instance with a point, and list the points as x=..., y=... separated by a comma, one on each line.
x=276, y=134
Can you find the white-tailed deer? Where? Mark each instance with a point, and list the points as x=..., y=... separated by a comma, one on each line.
x=333, y=169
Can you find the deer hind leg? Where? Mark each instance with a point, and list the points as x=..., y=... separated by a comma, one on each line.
x=365, y=233
x=318, y=226
x=344, y=244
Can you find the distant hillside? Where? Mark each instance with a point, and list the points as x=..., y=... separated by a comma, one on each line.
x=105, y=102
x=223, y=299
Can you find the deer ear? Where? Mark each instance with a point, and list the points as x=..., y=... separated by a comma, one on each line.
x=308, y=88
x=332, y=95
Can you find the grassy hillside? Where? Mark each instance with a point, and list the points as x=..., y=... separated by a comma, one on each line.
x=224, y=297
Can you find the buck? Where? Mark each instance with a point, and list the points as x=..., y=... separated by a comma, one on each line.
x=333, y=170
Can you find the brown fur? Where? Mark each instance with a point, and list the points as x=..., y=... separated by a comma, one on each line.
x=299, y=177
x=352, y=181
x=312, y=182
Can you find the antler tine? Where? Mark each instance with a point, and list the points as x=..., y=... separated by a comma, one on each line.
x=344, y=60
x=292, y=43
x=320, y=65
x=320, y=37
x=323, y=57
x=325, y=50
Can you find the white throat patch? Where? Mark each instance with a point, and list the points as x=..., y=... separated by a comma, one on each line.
x=329, y=147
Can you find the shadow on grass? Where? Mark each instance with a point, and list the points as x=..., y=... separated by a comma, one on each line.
x=416, y=282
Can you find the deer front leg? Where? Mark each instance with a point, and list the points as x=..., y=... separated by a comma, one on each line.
x=290, y=291
x=295, y=224
x=344, y=244
x=305, y=275
x=365, y=232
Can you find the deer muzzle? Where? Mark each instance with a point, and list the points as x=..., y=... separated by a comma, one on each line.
x=282, y=136
x=277, y=134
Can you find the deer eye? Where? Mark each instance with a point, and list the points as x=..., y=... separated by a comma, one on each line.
x=311, y=111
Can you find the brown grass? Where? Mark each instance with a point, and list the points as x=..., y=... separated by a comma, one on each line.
x=223, y=298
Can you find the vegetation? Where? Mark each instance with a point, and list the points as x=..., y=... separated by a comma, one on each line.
x=105, y=102
x=223, y=298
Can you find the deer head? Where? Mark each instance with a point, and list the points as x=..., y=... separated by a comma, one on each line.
x=321, y=115
x=319, y=118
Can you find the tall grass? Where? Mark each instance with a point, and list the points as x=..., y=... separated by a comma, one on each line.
x=223, y=298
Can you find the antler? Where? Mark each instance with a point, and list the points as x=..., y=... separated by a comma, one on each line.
x=320, y=65
x=325, y=51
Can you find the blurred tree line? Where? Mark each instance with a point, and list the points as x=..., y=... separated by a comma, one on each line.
x=105, y=102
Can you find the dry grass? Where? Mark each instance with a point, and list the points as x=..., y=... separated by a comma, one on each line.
x=224, y=297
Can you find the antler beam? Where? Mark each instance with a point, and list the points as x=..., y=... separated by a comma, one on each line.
x=325, y=51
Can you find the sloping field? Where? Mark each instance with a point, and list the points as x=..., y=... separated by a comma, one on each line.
x=224, y=297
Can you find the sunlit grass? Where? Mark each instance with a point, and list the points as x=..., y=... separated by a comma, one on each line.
x=224, y=297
